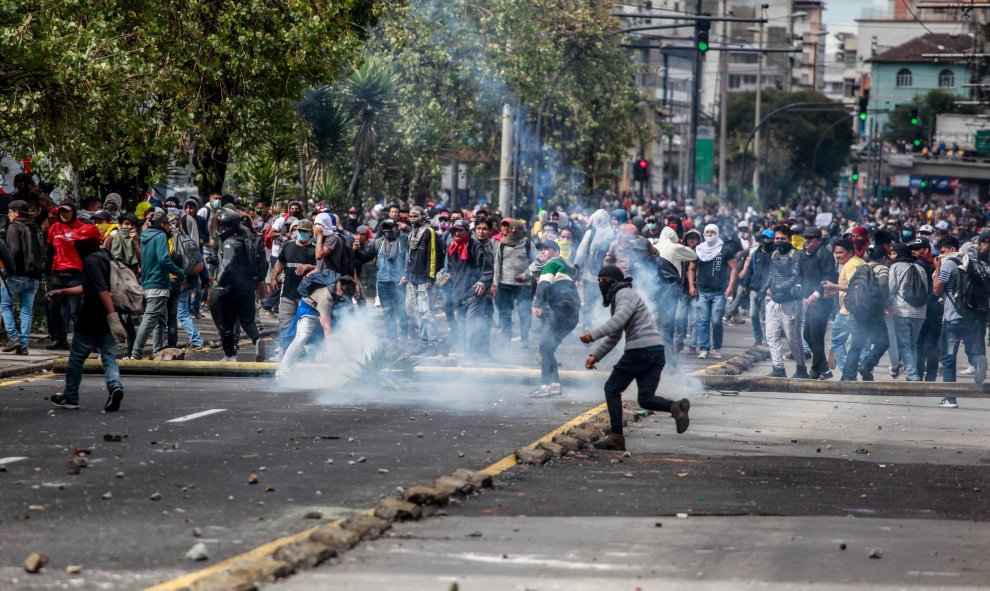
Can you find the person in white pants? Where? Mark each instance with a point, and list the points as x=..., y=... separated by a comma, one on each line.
x=784, y=305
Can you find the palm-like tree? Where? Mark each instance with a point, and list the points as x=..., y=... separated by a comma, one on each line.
x=370, y=89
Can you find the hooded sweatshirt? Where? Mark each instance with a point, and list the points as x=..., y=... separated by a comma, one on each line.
x=62, y=237
x=673, y=254
x=594, y=245
x=156, y=264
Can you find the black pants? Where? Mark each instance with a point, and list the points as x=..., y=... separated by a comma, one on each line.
x=232, y=306
x=644, y=366
x=556, y=325
x=172, y=308
x=928, y=345
x=64, y=310
x=815, y=327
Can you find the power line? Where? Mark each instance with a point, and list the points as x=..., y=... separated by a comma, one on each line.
x=915, y=16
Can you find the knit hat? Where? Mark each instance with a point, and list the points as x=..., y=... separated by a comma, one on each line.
x=611, y=272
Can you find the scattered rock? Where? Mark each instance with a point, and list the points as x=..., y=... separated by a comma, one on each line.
x=453, y=586
x=842, y=546
x=71, y=467
x=626, y=454
x=116, y=437
x=82, y=451
x=426, y=495
x=328, y=461
x=460, y=454
x=528, y=455
x=451, y=485
x=80, y=461
x=170, y=354
x=554, y=449
x=658, y=524
x=627, y=475
x=269, y=489
x=475, y=534
x=156, y=496
x=383, y=470
x=305, y=553
x=36, y=507
x=365, y=526
x=107, y=496
x=252, y=479
x=259, y=430
x=362, y=460
x=396, y=510
x=313, y=515
x=197, y=533
x=197, y=552
x=73, y=569
x=876, y=553
x=334, y=536
x=568, y=442
x=34, y=562
x=477, y=478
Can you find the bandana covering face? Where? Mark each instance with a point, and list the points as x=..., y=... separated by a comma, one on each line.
x=711, y=247
x=459, y=247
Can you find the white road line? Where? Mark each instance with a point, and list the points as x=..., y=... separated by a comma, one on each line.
x=11, y=460
x=196, y=415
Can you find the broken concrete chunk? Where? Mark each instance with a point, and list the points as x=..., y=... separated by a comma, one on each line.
x=334, y=536
x=568, y=442
x=454, y=485
x=396, y=510
x=306, y=553
x=528, y=455
x=252, y=479
x=197, y=552
x=170, y=354
x=365, y=526
x=34, y=562
x=426, y=495
x=477, y=478
x=73, y=569
x=556, y=450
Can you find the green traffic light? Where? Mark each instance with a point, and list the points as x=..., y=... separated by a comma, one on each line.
x=702, y=46
x=862, y=116
x=917, y=142
x=914, y=121
x=924, y=184
x=856, y=177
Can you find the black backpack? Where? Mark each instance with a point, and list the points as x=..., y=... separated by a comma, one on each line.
x=864, y=296
x=916, y=293
x=972, y=288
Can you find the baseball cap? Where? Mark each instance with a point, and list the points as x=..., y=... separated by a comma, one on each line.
x=812, y=232
x=926, y=229
x=460, y=225
x=942, y=225
x=549, y=245
x=18, y=205
x=304, y=225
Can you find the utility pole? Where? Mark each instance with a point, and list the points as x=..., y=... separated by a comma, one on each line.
x=723, y=72
x=758, y=117
x=505, y=166
x=695, y=107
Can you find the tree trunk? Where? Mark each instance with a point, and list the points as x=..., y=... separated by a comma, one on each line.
x=352, y=191
x=211, y=168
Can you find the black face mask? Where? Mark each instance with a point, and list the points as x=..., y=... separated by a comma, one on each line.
x=295, y=213
x=604, y=287
x=784, y=247
x=390, y=234
x=609, y=289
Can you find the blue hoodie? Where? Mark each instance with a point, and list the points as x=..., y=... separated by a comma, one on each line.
x=155, y=262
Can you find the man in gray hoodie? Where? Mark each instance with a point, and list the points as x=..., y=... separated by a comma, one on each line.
x=642, y=361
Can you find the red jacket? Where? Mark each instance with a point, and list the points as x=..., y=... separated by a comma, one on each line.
x=63, y=237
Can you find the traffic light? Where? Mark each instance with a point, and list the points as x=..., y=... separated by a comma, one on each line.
x=924, y=182
x=701, y=29
x=855, y=174
x=914, y=116
x=918, y=140
x=641, y=170
x=864, y=101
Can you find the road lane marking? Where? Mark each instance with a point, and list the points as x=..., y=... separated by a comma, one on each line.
x=22, y=380
x=196, y=415
x=11, y=460
x=190, y=580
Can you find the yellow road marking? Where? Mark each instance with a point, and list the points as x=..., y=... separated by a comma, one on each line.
x=22, y=380
x=189, y=580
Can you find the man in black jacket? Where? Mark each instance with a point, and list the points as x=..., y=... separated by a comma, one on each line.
x=237, y=278
x=784, y=306
x=817, y=265
x=27, y=252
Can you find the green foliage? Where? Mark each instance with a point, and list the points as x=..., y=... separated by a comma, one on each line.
x=930, y=105
x=328, y=188
x=793, y=137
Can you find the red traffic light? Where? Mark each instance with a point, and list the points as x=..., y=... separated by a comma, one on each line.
x=644, y=163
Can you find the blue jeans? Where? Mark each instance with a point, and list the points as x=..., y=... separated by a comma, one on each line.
x=155, y=318
x=519, y=298
x=82, y=346
x=758, y=315
x=710, y=306
x=392, y=297
x=23, y=289
x=965, y=331
x=906, y=331
x=185, y=318
x=866, y=337
x=684, y=308
x=838, y=338
x=667, y=297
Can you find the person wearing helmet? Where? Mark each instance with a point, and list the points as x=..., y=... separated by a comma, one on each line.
x=237, y=276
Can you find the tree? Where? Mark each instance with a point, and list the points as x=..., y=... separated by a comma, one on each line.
x=929, y=106
x=369, y=89
x=808, y=146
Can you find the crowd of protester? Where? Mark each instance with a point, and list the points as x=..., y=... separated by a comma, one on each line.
x=831, y=288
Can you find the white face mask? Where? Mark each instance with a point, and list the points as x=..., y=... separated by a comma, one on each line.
x=711, y=240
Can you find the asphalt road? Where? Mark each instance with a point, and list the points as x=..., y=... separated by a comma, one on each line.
x=763, y=492
x=201, y=466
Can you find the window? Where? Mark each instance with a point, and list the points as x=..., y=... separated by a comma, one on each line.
x=904, y=77
x=946, y=79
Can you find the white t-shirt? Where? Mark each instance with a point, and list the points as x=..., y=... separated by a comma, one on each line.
x=277, y=226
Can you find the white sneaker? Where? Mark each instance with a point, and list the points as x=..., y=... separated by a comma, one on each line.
x=703, y=355
x=232, y=359
x=555, y=389
x=968, y=371
x=541, y=392
x=948, y=403
x=717, y=353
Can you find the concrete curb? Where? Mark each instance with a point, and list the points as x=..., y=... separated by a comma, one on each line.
x=737, y=365
x=919, y=389
x=26, y=369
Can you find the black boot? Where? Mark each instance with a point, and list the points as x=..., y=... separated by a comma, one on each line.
x=611, y=442
x=680, y=414
x=801, y=373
